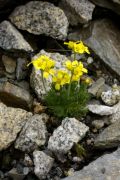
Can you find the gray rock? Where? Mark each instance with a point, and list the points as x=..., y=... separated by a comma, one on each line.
x=21, y=69
x=15, y=96
x=11, y=39
x=35, y=78
x=114, y=5
x=111, y=97
x=79, y=11
x=109, y=137
x=11, y=122
x=39, y=17
x=43, y=164
x=96, y=86
x=16, y=175
x=116, y=116
x=71, y=131
x=104, y=168
x=106, y=45
x=101, y=109
x=9, y=63
x=33, y=134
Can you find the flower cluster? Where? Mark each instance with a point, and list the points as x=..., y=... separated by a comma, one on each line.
x=77, y=47
x=61, y=78
x=76, y=68
x=45, y=64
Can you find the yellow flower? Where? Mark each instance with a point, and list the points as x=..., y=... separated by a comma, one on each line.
x=61, y=78
x=77, y=47
x=45, y=64
x=88, y=80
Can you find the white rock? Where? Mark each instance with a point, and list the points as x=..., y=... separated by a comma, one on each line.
x=71, y=131
x=43, y=163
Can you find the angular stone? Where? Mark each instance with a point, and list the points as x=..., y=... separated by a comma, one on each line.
x=11, y=122
x=77, y=11
x=15, y=96
x=11, y=39
x=39, y=17
x=43, y=164
x=21, y=69
x=114, y=5
x=111, y=97
x=109, y=137
x=96, y=86
x=106, y=167
x=35, y=78
x=9, y=63
x=71, y=131
x=33, y=134
x=106, y=45
x=101, y=109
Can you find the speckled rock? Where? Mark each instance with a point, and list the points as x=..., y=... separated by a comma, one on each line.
x=35, y=78
x=71, y=131
x=39, y=17
x=11, y=122
x=21, y=69
x=105, y=45
x=15, y=96
x=11, y=39
x=111, y=97
x=77, y=11
x=101, y=109
x=33, y=134
x=106, y=167
x=109, y=137
x=43, y=164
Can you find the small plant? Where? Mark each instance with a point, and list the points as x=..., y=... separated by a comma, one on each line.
x=68, y=93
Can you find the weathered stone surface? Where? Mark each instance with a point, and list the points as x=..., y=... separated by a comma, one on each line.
x=11, y=39
x=11, y=122
x=116, y=116
x=101, y=109
x=111, y=97
x=21, y=69
x=33, y=134
x=35, y=78
x=71, y=131
x=39, y=17
x=43, y=163
x=96, y=86
x=15, y=96
x=78, y=11
x=104, y=168
x=114, y=5
x=109, y=137
x=9, y=63
x=106, y=45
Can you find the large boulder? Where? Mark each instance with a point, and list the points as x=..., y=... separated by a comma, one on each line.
x=11, y=39
x=104, y=168
x=11, y=122
x=105, y=45
x=114, y=5
x=39, y=17
x=77, y=11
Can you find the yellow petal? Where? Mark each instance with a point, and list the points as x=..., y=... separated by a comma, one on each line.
x=45, y=74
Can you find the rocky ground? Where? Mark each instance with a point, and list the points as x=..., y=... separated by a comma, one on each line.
x=34, y=144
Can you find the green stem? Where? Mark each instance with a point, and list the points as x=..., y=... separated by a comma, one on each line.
x=43, y=82
x=69, y=87
x=74, y=56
